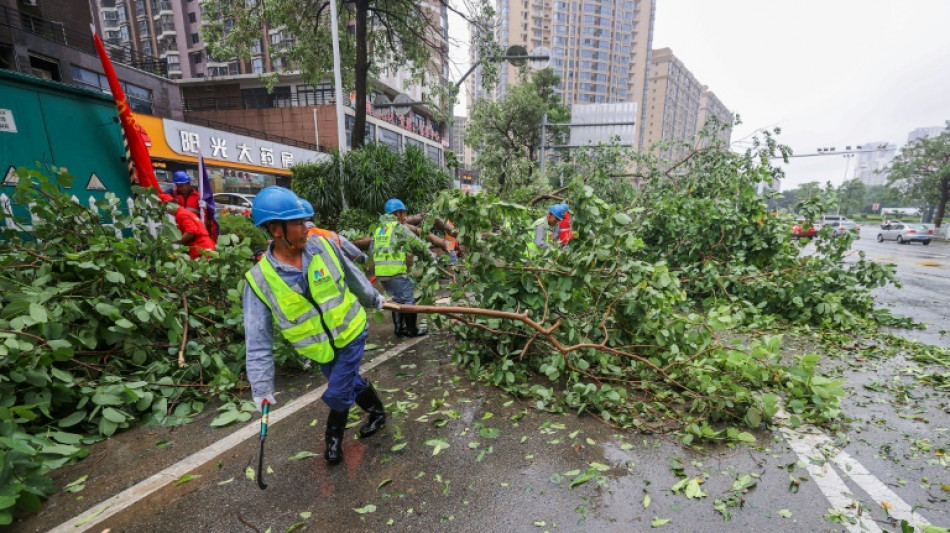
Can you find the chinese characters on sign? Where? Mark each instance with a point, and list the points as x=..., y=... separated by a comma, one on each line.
x=191, y=143
x=192, y=140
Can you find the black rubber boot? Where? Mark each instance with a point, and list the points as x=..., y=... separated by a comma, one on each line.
x=399, y=324
x=369, y=401
x=410, y=321
x=336, y=424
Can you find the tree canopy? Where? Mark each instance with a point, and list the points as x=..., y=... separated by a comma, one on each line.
x=921, y=171
x=506, y=134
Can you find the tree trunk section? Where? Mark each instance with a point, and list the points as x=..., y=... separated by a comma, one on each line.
x=942, y=204
x=362, y=70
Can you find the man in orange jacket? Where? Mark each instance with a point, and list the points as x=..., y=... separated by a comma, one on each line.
x=194, y=234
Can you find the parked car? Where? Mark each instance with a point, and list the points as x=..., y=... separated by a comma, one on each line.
x=233, y=203
x=804, y=229
x=840, y=223
x=906, y=233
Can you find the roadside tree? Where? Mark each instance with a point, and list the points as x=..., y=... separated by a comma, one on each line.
x=851, y=196
x=507, y=134
x=921, y=171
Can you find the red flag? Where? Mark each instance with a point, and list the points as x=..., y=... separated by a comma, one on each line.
x=140, y=156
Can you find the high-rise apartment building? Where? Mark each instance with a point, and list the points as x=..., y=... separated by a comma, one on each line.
x=677, y=106
x=872, y=163
x=923, y=133
x=599, y=48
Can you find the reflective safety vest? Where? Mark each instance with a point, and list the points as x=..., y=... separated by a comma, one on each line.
x=532, y=247
x=303, y=321
x=388, y=262
x=326, y=234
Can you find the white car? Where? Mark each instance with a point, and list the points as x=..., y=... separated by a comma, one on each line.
x=906, y=233
x=233, y=203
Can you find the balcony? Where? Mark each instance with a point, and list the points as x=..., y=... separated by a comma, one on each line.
x=161, y=8
x=166, y=32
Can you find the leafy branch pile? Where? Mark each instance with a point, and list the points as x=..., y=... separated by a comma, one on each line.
x=92, y=327
x=625, y=324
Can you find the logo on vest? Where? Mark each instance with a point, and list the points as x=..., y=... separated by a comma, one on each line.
x=383, y=230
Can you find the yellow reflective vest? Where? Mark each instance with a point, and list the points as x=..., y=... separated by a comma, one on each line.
x=532, y=246
x=386, y=259
x=331, y=317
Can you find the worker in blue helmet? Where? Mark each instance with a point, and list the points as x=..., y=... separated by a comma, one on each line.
x=316, y=296
x=541, y=233
x=185, y=194
x=392, y=249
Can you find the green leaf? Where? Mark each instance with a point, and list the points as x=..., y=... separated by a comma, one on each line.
x=646, y=501
x=114, y=415
x=657, y=522
x=38, y=313
x=785, y=513
x=228, y=417
x=185, y=479
x=489, y=433
x=303, y=454
x=622, y=219
x=397, y=447
x=115, y=277
x=383, y=483
x=249, y=473
x=437, y=445
x=368, y=508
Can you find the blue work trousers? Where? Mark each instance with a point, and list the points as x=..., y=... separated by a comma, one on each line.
x=400, y=288
x=344, y=382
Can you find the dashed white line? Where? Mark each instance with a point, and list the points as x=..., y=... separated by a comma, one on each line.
x=809, y=443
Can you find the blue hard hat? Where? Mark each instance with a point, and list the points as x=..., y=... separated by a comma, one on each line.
x=393, y=205
x=278, y=203
x=180, y=177
x=309, y=207
x=558, y=210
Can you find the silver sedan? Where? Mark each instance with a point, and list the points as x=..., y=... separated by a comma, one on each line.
x=906, y=233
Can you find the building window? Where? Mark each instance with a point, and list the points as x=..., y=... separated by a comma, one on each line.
x=192, y=17
x=195, y=38
x=257, y=65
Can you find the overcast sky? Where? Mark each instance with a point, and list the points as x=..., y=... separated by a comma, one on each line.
x=829, y=72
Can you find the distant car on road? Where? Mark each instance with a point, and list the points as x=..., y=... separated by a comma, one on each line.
x=840, y=224
x=233, y=203
x=906, y=233
x=804, y=229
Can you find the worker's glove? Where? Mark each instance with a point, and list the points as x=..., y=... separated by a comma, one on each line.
x=259, y=401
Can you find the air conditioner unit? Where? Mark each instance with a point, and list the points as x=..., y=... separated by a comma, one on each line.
x=29, y=2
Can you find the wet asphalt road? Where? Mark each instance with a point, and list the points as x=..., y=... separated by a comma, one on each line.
x=509, y=467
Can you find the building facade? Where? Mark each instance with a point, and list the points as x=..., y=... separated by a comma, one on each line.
x=923, y=133
x=677, y=107
x=50, y=39
x=872, y=162
x=297, y=112
x=599, y=48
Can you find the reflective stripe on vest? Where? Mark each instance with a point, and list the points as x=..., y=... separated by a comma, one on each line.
x=532, y=247
x=388, y=262
x=326, y=234
x=297, y=318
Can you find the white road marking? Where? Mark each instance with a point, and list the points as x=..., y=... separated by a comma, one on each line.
x=131, y=496
x=809, y=442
